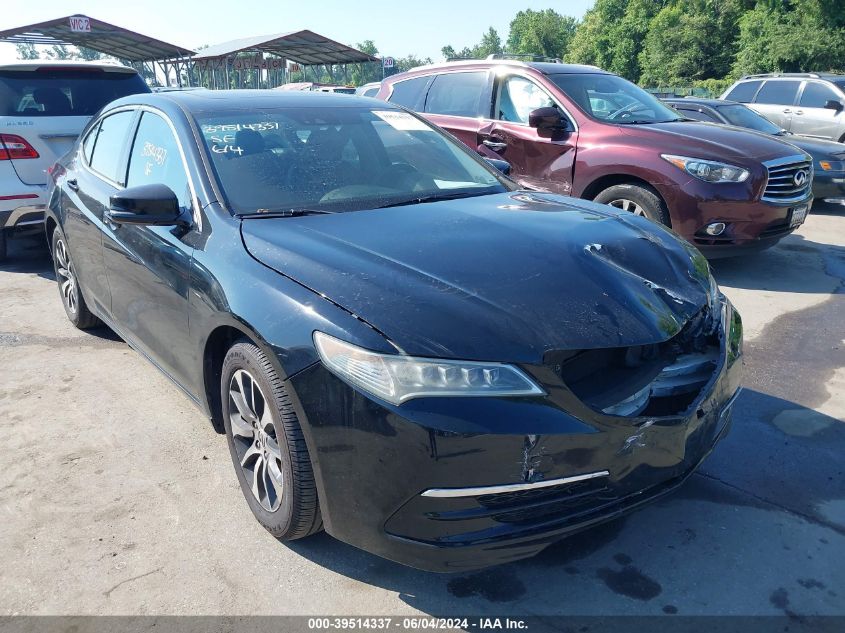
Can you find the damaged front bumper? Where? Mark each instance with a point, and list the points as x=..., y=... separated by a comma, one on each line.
x=450, y=484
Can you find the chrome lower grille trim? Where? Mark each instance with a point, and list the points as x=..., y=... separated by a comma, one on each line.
x=477, y=491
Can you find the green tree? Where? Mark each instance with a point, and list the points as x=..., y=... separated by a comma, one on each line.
x=597, y=34
x=60, y=52
x=545, y=33
x=490, y=44
x=798, y=36
x=368, y=72
x=690, y=40
x=88, y=54
x=27, y=51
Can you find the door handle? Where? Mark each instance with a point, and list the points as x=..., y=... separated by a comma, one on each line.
x=799, y=112
x=72, y=184
x=496, y=146
x=786, y=110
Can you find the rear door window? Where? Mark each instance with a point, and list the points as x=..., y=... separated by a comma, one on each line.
x=410, y=93
x=744, y=92
x=778, y=92
x=63, y=92
x=456, y=94
x=815, y=95
x=109, y=154
x=156, y=159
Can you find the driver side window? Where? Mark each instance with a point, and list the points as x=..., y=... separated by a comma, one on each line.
x=156, y=158
x=518, y=97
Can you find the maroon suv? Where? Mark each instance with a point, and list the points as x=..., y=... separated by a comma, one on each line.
x=581, y=131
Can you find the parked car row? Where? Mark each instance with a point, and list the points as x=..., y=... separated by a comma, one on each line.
x=580, y=131
x=432, y=360
x=828, y=156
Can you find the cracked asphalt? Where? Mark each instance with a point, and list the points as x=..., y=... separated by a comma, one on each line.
x=117, y=496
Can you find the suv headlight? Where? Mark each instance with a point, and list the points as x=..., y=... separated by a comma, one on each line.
x=708, y=170
x=398, y=378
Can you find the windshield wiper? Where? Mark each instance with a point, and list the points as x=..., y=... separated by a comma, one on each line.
x=284, y=213
x=434, y=197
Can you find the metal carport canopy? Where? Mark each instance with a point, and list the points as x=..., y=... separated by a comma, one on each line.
x=80, y=30
x=304, y=47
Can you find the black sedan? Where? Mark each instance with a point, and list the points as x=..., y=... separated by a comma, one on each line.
x=828, y=156
x=400, y=346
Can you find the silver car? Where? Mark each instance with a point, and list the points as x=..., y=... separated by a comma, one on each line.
x=812, y=104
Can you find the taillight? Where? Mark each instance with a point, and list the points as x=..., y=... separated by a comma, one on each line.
x=13, y=147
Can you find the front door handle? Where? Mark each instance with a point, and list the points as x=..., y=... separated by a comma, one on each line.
x=799, y=112
x=496, y=146
x=786, y=110
x=72, y=184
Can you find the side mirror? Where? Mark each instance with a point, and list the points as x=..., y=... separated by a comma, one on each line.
x=152, y=205
x=833, y=104
x=502, y=165
x=547, y=120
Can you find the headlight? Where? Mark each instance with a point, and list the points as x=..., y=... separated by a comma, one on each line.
x=708, y=170
x=832, y=165
x=399, y=378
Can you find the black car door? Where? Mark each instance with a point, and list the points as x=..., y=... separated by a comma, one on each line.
x=98, y=174
x=149, y=266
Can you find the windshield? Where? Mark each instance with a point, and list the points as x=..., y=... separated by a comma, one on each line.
x=63, y=91
x=741, y=116
x=337, y=159
x=839, y=83
x=613, y=99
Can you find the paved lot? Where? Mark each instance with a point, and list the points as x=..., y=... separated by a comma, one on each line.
x=117, y=497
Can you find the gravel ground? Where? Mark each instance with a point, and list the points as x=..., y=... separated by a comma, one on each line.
x=117, y=496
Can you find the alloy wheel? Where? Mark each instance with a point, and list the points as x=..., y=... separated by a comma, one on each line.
x=255, y=440
x=628, y=205
x=67, y=277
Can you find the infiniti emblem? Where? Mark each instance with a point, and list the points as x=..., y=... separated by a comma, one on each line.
x=800, y=178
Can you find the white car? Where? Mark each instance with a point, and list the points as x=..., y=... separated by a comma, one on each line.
x=44, y=105
x=368, y=90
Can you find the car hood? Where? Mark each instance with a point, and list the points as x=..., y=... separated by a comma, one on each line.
x=819, y=149
x=712, y=141
x=499, y=277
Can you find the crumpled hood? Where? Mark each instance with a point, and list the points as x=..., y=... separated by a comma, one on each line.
x=502, y=277
x=712, y=141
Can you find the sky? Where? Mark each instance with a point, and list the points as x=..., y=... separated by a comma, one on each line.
x=398, y=28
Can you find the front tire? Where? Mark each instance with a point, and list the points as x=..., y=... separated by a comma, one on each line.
x=72, y=300
x=636, y=199
x=267, y=445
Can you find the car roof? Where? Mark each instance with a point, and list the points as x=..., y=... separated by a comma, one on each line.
x=547, y=68
x=203, y=101
x=35, y=64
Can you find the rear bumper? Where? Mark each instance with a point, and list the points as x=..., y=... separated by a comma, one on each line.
x=403, y=482
x=23, y=216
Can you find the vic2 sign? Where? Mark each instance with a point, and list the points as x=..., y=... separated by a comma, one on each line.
x=80, y=24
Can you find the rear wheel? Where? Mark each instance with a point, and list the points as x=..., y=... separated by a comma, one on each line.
x=267, y=446
x=74, y=303
x=636, y=199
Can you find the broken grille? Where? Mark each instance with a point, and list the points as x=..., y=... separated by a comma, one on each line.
x=648, y=380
